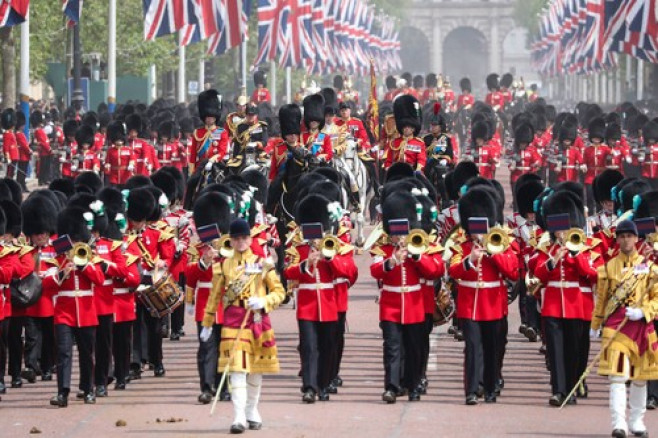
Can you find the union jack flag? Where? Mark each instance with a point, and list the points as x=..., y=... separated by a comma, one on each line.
x=72, y=10
x=270, y=30
x=164, y=17
x=13, y=12
x=297, y=31
x=232, y=17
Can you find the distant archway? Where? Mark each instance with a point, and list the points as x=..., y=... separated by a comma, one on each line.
x=465, y=53
x=414, y=50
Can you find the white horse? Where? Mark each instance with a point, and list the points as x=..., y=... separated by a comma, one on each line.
x=351, y=165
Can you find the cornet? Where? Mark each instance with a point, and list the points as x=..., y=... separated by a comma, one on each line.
x=417, y=242
x=80, y=254
x=574, y=239
x=329, y=246
x=496, y=241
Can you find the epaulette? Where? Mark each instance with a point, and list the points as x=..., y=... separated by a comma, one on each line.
x=50, y=261
x=164, y=236
x=116, y=244
x=345, y=248
x=342, y=229
x=131, y=258
x=263, y=123
x=544, y=243
x=130, y=239
x=594, y=242
x=26, y=249
x=257, y=229
x=291, y=225
x=377, y=251
x=434, y=249
x=6, y=250
x=293, y=255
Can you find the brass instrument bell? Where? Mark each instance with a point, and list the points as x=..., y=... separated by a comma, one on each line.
x=329, y=246
x=223, y=245
x=417, y=241
x=81, y=254
x=574, y=239
x=496, y=241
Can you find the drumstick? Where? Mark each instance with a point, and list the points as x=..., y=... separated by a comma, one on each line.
x=230, y=359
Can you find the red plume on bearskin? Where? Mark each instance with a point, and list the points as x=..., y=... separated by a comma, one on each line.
x=437, y=108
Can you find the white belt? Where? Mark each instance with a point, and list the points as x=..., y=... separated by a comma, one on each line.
x=75, y=293
x=107, y=282
x=480, y=284
x=341, y=280
x=586, y=289
x=400, y=289
x=563, y=284
x=121, y=291
x=314, y=286
x=207, y=284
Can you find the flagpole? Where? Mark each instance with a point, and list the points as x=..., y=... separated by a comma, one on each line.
x=202, y=75
x=243, y=61
x=273, y=75
x=640, y=79
x=112, y=58
x=25, y=72
x=288, y=85
x=180, y=98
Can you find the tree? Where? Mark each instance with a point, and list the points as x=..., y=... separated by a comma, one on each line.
x=8, y=67
x=526, y=14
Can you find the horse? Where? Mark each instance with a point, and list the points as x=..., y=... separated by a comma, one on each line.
x=351, y=162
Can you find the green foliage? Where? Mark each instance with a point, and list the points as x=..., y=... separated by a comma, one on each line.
x=527, y=12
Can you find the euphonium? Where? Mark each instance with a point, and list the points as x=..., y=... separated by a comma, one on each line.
x=574, y=239
x=81, y=254
x=223, y=245
x=417, y=241
x=496, y=241
x=329, y=246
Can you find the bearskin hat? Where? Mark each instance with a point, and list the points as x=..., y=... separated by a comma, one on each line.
x=71, y=222
x=464, y=171
x=400, y=205
x=137, y=181
x=260, y=78
x=339, y=82
x=88, y=180
x=477, y=202
x=572, y=186
x=92, y=204
x=141, y=204
x=431, y=80
x=116, y=131
x=391, y=83
x=525, y=177
x=64, y=185
x=647, y=205
x=329, y=190
x=568, y=131
x=112, y=199
x=650, y=132
x=256, y=179
x=90, y=119
x=406, y=109
x=613, y=132
x=596, y=128
x=104, y=119
x=418, y=81
x=167, y=129
x=5, y=191
x=290, y=118
x=480, y=130
x=330, y=173
x=314, y=110
x=3, y=223
x=465, y=84
x=187, y=125
x=506, y=80
x=524, y=134
x=84, y=135
x=14, y=217
x=398, y=171
x=626, y=194
x=178, y=177
x=39, y=216
x=69, y=128
x=429, y=213
x=134, y=122
x=565, y=202
x=492, y=81
x=312, y=209
x=213, y=208
x=15, y=189
x=165, y=182
x=161, y=202
x=8, y=118
x=306, y=181
x=330, y=100
x=36, y=118
x=51, y=195
x=210, y=104
x=525, y=195
x=603, y=184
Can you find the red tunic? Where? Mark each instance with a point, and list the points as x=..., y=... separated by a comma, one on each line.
x=595, y=158
x=111, y=253
x=123, y=288
x=411, y=151
x=650, y=163
x=199, y=280
x=570, y=170
x=358, y=131
x=43, y=142
x=24, y=151
x=465, y=100
x=44, y=307
x=260, y=95
x=120, y=163
x=495, y=100
x=530, y=161
x=9, y=146
x=70, y=151
x=217, y=146
x=319, y=144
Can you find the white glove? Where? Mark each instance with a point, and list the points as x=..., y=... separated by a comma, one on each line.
x=189, y=308
x=208, y=167
x=131, y=168
x=629, y=160
x=256, y=303
x=583, y=168
x=74, y=168
x=593, y=334
x=443, y=162
x=634, y=314
x=205, y=334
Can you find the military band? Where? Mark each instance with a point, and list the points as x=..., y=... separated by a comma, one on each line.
x=217, y=212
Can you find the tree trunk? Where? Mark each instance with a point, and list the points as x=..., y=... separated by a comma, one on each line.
x=8, y=66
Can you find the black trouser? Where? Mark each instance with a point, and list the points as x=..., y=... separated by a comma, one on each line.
x=502, y=344
x=563, y=351
x=533, y=317
x=153, y=338
x=122, y=338
x=15, y=345
x=482, y=340
x=103, y=349
x=318, y=350
x=140, y=338
x=652, y=388
x=178, y=315
x=11, y=170
x=206, y=358
x=653, y=182
x=403, y=355
x=45, y=162
x=85, y=338
x=22, y=174
x=340, y=343
x=590, y=198
x=583, y=348
x=523, y=299
x=429, y=326
x=39, y=343
x=4, y=339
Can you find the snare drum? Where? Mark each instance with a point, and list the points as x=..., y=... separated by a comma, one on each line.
x=163, y=297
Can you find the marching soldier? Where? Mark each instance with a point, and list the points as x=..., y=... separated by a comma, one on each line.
x=167, y=148
x=145, y=156
x=602, y=221
x=482, y=294
x=72, y=281
x=526, y=159
x=494, y=99
x=210, y=142
x=505, y=91
x=401, y=303
x=249, y=289
x=625, y=308
x=620, y=151
x=317, y=313
x=121, y=159
x=595, y=157
x=407, y=148
x=391, y=88
x=9, y=145
x=24, y=151
x=430, y=93
x=448, y=96
x=316, y=141
x=569, y=158
x=261, y=93
x=290, y=119
x=483, y=153
x=465, y=100
x=44, y=149
x=87, y=157
x=649, y=159
x=250, y=132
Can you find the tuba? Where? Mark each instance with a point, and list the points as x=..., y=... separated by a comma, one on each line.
x=417, y=241
x=496, y=241
x=80, y=254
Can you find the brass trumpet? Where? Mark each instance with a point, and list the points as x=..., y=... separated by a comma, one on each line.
x=496, y=241
x=80, y=254
x=223, y=245
x=417, y=241
x=574, y=239
x=329, y=246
